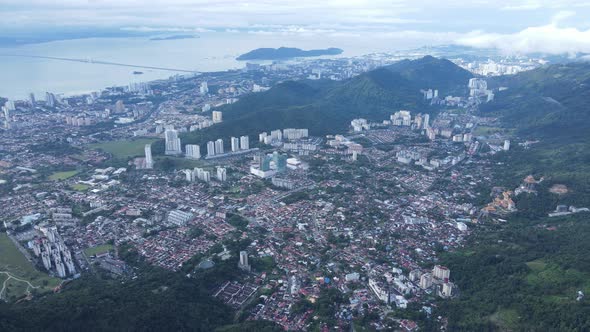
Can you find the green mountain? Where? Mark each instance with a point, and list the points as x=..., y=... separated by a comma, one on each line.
x=328, y=107
x=549, y=102
x=524, y=275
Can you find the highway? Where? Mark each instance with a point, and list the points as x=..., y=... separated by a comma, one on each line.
x=91, y=61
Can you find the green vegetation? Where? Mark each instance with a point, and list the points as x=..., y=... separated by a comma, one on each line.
x=523, y=276
x=13, y=264
x=486, y=130
x=237, y=221
x=295, y=197
x=124, y=149
x=168, y=163
x=549, y=102
x=100, y=249
x=80, y=187
x=56, y=148
x=157, y=300
x=62, y=175
x=326, y=107
x=251, y=326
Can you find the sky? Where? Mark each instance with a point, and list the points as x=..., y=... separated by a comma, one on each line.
x=554, y=27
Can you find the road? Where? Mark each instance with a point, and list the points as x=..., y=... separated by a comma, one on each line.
x=10, y=276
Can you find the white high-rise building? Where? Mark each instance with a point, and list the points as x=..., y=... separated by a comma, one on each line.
x=219, y=146
x=276, y=135
x=173, y=146
x=441, y=272
x=204, y=88
x=50, y=99
x=235, y=144
x=243, y=264
x=221, y=174
x=32, y=99
x=210, y=148
x=292, y=133
x=217, y=116
x=149, y=162
x=119, y=106
x=10, y=105
x=244, y=143
x=426, y=121
x=507, y=145
x=6, y=117
x=193, y=151
x=206, y=176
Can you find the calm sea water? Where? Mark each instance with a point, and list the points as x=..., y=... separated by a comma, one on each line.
x=211, y=52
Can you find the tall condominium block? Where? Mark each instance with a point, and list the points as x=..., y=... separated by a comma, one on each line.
x=221, y=173
x=149, y=162
x=219, y=146
x=243, y=263
x=32, y=99
x=119, y=106
x=204, y=88
x=244, y=143
x=210, y=148
x=193, y=151
x=172, y=142
x=217, y=116
x=235, y=144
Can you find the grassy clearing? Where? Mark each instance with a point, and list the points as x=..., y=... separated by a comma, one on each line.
x=62, y=175
x=536, y=265
x=505, y=319
x=124, y=149
x=100, y=249
x=14, y=262
x=80, y=187
x=486, y=131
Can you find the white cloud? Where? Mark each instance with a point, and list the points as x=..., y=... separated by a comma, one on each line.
x=550, y=39
x=511, y=25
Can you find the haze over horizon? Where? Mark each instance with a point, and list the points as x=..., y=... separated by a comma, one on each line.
x=552, y=27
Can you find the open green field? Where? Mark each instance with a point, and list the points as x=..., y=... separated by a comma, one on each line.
x=80, y=187
x=485, y=130
x=179, y=162
x=13, y=264
x=62, y=175
x=124, y=149
x=100, y=249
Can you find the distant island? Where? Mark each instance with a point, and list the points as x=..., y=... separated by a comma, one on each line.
x=137, y=72
x=174, y=37
x=285, y=53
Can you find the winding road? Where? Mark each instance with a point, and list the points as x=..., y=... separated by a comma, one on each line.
x=10, y=276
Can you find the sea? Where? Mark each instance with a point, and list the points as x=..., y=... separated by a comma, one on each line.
x=21, y=74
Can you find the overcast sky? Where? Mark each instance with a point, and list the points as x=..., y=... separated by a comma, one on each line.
x=514, y=26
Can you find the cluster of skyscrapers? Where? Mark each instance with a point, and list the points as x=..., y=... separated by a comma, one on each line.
x=203, y=175
x=216, y=148
x=54, y=253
